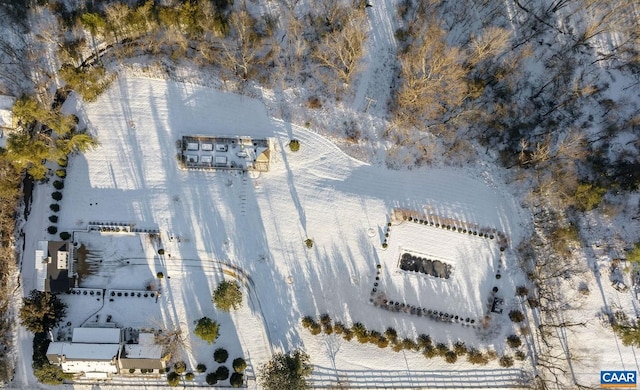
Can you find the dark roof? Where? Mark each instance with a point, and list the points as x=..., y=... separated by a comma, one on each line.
x=57, y=279
x=153, y=364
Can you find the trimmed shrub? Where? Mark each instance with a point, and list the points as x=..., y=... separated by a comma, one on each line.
x=52, y=230
x=307, y=321
x=476, y=357
x=222, y=373
x=236, y=379
x=61, y=173
x=239, y=365
x=442, y=349
x=64, y=236
x=309, y=243
x=514, y=341
x=180, y=367
x=409, y=344
x=57, y=195
x=62, y=162
x=161, y=252
x=132, y=370
x=459, y=348
x=384, y=245
x=429, y=352
x=450, y=357
x=294, y=145
x=201, y=368
x=424, y=341
x=506, y=361
x=315, y=329
x=207, y=330
x=54, y=207
x=189, y=376
x=211, y=379
x=173, y=379
x=160, y=275
x=53, y=218
x=58, y=185
x=391, y=334
x=516, y=316
x=382, y=342
x=220, y=355
x=339, y=328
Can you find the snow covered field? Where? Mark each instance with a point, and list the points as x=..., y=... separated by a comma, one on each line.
x=213, y=221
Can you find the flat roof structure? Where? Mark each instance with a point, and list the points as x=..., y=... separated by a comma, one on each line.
x=97, y=335
x=228, y=153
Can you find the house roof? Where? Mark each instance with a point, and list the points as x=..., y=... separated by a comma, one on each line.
x=153, y=364
x=96, y=335
x=84, y=351
x=53, y=275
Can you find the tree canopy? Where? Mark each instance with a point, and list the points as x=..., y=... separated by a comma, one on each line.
x=227, y=296
x=286, y=371
x=41, y=311
x=207, y=329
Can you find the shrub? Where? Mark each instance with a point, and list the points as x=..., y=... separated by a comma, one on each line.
x=506, y=361
x=220, y=355
x=207, y=330
x=222, y=373
x=53, y=218
x=459, y=348
x=424, y=340
x=285, y=371
x=173, y=379
x=62, y=162
x=328, y=329
x=201, y=368
x=132, y=370
x=307, y=321
x=294, y=145
x=160, y=275
x=339, y=328
x=522, y=291
x=309, y=243
x=514, y=341
x=516, y=316
x=161, y=252
x=450, y=357
x=180, y=367
x=325, y=319
x=54, y=207
x=520, y=355
x=429, y=352
x=588, y=196
x=382, y=342
x=315, y=329
x=189, y=376
x=51, y=374
x=391, y=334
x=58, y=185
x=61, y=173
x=52, y=230
x=384, y=245
x=442, y=349
x=239, y=365
x=476, y=357
x=409, y=344
x=347, y=334
x=236, y=379
x=634, y=253
x=373, y=336
x=64, y=236
x=161, y=371
x=211, y=379
x=227, y=296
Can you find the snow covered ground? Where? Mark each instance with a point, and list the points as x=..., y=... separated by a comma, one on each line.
x=258, y=223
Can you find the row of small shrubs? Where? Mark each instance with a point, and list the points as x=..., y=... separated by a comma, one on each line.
x=57, y=196
x=390, y=337
x=236, y=379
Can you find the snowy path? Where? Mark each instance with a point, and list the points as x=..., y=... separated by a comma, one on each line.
x=375, y=81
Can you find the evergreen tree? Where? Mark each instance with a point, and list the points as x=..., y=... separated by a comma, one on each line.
x=286, y=371
x=207, y=329
x=227, y=296
x=41, y=311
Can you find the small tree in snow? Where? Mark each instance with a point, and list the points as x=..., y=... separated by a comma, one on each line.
x=227, y=296
x=207, y=330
